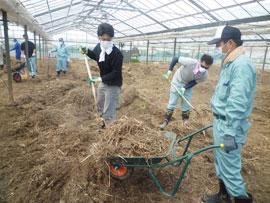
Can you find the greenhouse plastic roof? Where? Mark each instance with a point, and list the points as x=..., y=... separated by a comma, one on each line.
x=136, y=18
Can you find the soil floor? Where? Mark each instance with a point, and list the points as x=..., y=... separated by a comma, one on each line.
x=51, y=127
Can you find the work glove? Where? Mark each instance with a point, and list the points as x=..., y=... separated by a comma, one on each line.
x=182, y=91
x=167, y=75
x=83, y=50
x=229, y=143
x=98, y=79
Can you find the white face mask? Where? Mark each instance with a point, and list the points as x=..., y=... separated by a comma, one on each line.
x=202, y=70
x=105, y=44
x=218, y=53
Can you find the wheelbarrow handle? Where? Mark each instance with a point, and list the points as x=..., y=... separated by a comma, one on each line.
x=188, y=157
x=190, y=136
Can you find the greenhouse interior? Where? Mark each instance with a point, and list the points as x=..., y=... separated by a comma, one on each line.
x=56, y=145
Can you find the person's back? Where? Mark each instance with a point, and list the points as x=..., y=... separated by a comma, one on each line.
x=185, y=74
x=31, y=48
x=31, y=55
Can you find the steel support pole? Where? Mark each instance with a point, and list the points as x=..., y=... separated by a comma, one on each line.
x=264, y=60
x=26, y=51
x=152, y=54
x=199, y=49
x=35, y=42
x=39, y=46
x=130, y=48
x=147, y=52
x=250, y=52
x=10, y=88
x=164, y=53
x=174, y=48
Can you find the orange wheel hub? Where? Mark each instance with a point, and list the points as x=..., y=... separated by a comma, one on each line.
x=119, y=170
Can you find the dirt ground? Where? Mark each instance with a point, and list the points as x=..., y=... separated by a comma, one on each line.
x=52, y=126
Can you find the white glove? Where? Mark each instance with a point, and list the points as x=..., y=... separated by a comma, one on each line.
x=34, y=54
x=23, y=56
x=68, y=59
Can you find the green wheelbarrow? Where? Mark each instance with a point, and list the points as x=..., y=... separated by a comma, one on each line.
x=122, y=167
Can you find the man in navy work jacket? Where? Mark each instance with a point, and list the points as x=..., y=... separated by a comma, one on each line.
x=110, y=61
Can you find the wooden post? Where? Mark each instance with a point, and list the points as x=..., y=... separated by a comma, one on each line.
x=10, y=88
x=26, y=51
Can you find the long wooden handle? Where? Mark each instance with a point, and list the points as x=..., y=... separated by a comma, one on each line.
x=181, y=95
x=90, y=76
x=184, y=98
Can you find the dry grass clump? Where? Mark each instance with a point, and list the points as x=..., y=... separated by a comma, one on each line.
x=126, y=137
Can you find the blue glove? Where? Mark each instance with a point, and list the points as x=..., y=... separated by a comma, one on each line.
x=98, y=79
x=229, y=143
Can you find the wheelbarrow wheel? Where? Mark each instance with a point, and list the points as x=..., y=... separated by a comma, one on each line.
x=17, y=77
x=120, y=172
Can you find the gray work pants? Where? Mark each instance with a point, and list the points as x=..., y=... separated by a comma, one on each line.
x=108, y=97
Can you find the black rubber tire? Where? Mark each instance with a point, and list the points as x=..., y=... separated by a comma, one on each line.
x=17, y=77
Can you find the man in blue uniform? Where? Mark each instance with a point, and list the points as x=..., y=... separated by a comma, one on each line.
x=17, y=48
x=63, y=56
x=231, y=105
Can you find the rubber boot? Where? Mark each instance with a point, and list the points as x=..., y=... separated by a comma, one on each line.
x=102, y=125
x=221, y=197
x=58, y=73
x=248, y=199
x=64, y=73
x=168, y=116
x=185, y=117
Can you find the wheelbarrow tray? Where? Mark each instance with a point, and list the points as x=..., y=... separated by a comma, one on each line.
x=170, y=159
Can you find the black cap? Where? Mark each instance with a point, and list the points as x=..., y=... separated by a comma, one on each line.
x=226, y=32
